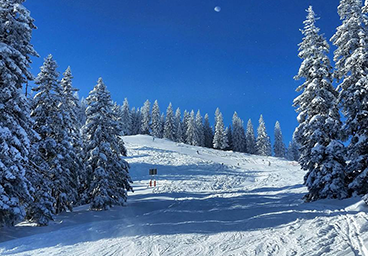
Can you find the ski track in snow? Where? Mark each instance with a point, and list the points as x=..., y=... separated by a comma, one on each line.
x=211, y=203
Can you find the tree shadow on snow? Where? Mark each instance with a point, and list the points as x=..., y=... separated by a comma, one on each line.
x=169, y=213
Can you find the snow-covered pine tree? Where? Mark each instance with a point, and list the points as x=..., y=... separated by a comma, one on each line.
x=117, y=116
x=41, y=210
x=250, y=139
x=318, y=133
x=136, y=121
x=116, y=108
x=219, y=139
x=351, y=40
x=162, y=119
x=292, y=151
x=229, y=137
x=238, y=137
x=263, y=144
x=70, y=109
x=191, y=134
x=179, y=133
x=16, y=26
x=156, y=125
x=51, y=118
x=146, y=117
x=199, y=128
x=169, y=127
x=186, y=117
x=126, y=118
x=108, y=176
x=278, y=146
x=82, y=111
x=217, y=113
x=208, y=132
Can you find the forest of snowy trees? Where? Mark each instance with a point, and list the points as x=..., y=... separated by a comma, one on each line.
x=194, y=129
x=334, y=153
x=58, y=152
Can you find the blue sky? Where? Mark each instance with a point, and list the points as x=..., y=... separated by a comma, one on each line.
x=240, y=59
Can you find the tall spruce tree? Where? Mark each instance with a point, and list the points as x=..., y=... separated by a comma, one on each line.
x=191, y=133
x=51, y=121
x=179, y=133
x=263, y=143
x=229, y=137
x=351, y=40
x=16, y=133
x=219, y=139
x=208, y=132
x=169, y=127
x=250, y=139
x=136, y=116
x=278, y=146
x=199, y=128
x=293, y=151
x=146, y=117
x=318, y=133
x=186, y=117
x=126, y=118
x=108, y=176
x=82, y=111
x=238, y=137
x=72, y=126
x=156, y=125
x=162, y=122
x=117, y=116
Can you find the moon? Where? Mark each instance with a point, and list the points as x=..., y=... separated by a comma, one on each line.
x=217, y=9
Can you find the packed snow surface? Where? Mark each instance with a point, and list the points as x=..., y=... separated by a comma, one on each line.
x=207, y=202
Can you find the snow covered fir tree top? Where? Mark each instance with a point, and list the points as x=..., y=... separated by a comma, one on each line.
x=180, y=148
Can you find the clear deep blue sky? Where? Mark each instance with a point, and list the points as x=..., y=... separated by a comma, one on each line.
x=181, y=51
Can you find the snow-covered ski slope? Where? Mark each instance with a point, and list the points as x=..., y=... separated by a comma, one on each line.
x=206, y=203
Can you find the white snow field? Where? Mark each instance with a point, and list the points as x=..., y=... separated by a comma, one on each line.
x=206, y=203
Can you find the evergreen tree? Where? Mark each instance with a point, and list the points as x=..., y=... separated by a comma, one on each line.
x=278, y=146
x=81, y=114
x=250, y=139
x=169, y=128
x=117, y=117
x=229, y=137
x=238, y=138
x=70, y=109
x=186, y=117
x=293, y=151
x=51, y=121
x=16, y=26
x=156, y=125
x=126, y=118
x=41, y=210
x=191, y=134
x=263, y=144
x=146, y=117
x=352, y=69
x=108, y=177
x=322, y=154
x=199, y=128
x=162, y=122
x=217, y=114
x=178, y=126
x=219, y=139
x=208, y=132
x=136, y=121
